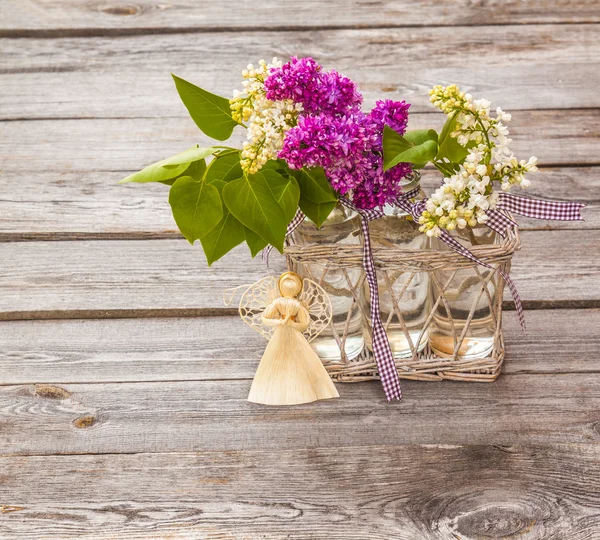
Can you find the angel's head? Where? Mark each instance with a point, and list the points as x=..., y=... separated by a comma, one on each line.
x=290, y=285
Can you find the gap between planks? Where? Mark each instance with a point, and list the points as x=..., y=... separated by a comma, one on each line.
x=60, y=383
x=215, y=415
x=103, y=314
x=65, y=33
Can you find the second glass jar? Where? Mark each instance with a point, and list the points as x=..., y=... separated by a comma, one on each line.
x=404, y=297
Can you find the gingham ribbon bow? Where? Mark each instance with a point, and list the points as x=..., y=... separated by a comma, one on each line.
x=381, y=346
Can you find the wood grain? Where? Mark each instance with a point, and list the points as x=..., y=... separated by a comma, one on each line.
x=125, y=415
x=537, y=67
x=127, y=276
x=186, y=349
x=87, y=17
x=88, y=205
x=214, y=415
x=432, y=492
x=168, y=277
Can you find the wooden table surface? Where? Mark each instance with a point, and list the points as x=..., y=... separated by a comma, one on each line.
x=123, y=378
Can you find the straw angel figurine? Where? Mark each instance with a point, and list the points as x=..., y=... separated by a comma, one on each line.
x=289, y=312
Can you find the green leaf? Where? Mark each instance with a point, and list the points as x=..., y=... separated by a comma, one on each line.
x=317, y=197
x=315, y=186
x=417, y=147
x=448, y=145
x=393, y=145
x=226, y=235
x=316, y=212
x=255, y=242
x=224, y=168
x=196, y=207
x=448, y=127
x=421, y=136
x=195, y=153
x=252, y=202
x=277, y=164
x=210, y=112
x=285, y=190
x=169, y=168
x=196, y=170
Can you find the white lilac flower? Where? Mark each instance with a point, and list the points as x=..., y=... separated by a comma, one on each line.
x=464, y=197
x=267, y=120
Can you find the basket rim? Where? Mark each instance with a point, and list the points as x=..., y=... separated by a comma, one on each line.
x=351, y=255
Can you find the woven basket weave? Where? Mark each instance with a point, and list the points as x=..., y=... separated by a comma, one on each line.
x=424, y=365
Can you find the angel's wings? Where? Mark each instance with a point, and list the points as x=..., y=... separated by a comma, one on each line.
x=318, y=303
x=258, y=296
x=255, y=300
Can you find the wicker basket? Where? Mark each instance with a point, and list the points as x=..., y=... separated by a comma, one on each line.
x=424, y=365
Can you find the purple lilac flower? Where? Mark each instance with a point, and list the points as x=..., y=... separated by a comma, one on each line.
x=338, y=144
x=304, y=81
x=381, y=187
x=349, y=148
x=392, y=113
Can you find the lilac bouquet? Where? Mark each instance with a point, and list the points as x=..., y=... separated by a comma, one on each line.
x=312, y=118
x=309, y=143
x=310, y=146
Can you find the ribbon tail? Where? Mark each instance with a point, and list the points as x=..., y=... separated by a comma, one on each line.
x=382, y=351
x=540, y=209
x=381, y=345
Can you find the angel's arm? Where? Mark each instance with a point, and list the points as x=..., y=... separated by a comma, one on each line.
x=271, y=315
x=302, y=319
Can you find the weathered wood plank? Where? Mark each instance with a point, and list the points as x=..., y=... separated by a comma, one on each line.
x=128, y=276
x=381, y=493
x=70, y=16
x=557, y=138
x=214, y=415
x=90, y=204
x=78, y=279
x=540, y=67
x=135, y=350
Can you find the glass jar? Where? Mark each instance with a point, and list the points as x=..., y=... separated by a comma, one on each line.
x=403, y=295
x=343, y=285
x=467, y=309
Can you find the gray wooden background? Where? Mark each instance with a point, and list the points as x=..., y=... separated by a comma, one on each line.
x=123, y=378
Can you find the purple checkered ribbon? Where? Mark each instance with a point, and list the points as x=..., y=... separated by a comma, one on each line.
x=415, y=209
x=381, y=346
x=532, y=208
